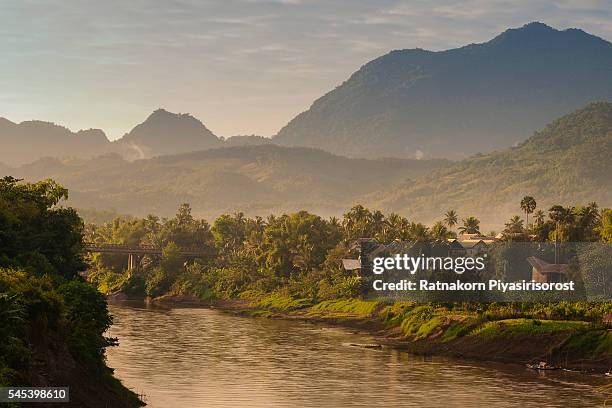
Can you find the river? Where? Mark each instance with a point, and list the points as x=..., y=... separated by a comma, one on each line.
x=206, y=358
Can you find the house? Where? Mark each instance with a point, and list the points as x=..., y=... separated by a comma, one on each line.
x=455, y=248
x=351, y=264
x=469, y=245
x=545, y=272
x=607, y=320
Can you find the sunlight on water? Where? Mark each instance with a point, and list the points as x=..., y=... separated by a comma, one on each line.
x=204, y=358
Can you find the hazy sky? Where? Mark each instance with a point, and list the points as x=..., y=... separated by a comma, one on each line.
x=240, y=66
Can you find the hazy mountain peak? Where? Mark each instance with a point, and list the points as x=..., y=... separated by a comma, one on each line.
x=163, y=119
x=6, y=122
x=455, y=103
x=32, y=139
x=165, y=132
x=539, y=34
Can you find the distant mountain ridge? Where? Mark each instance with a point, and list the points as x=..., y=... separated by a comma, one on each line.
x=406, y=104
x=27, y=141
x=455, y=103
x=567, y=162
x=258, y=180
x=161, y=133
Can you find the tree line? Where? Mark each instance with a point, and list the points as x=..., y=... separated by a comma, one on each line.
x=299, y=254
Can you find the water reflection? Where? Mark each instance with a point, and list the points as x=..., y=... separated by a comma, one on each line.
x=204, y=358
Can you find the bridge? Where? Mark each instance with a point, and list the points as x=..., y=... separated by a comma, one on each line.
x=134, y=251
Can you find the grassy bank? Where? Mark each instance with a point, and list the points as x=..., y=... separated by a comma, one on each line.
x=567, y=335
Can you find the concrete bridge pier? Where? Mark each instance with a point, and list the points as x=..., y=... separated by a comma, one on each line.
x=132, y=262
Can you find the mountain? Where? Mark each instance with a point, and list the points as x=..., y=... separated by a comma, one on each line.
x=27, y=141
x=257, y=180
x=165, y=132
x=568, y=162
x=162, y=133
x=246, y=140
x=455, y=103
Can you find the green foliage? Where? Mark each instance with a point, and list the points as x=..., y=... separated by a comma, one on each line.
x=596, y=343
x=88, y=319
x=34, y=233
x=569, y=161
x=355, y=307
x=20, y=299
x=44, y=305
x=252, y=179
x=509, y=327
x=605, y=230
x=276, y=301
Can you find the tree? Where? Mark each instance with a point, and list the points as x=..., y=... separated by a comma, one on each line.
x=34, y=233
x=539, y=217
x=450, y=218
x=183, y=215
x=528, y=205
x=440, y=232
x=357, y=223
x=419, y=232
x=605, y=229
x=562, y=217
x=471, y=225
x=587, y=222
x=514, y=229
x=395, y=227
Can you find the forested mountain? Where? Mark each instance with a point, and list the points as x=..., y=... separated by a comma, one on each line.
x=258, y=180
x=165, y=132
x=455, y=103
x=568, y=161
x=27, y=141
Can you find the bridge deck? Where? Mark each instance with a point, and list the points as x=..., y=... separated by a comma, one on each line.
x=140, y=249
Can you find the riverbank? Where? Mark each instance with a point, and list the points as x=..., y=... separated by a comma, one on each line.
x=428, y=330
x=54, y=364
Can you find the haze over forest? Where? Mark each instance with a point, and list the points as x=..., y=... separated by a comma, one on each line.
x=470, y=104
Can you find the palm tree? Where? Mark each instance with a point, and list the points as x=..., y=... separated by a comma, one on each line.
x=378, y=222
x=561, y=216
x=528, y=205
x=419, y=232
x=471, y=225
x=440, y=232
x=514, y=226
x=539, y=217
x=395, y=227
x=450, y=218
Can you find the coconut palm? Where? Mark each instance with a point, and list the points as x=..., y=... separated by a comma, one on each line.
x=450, y=218
x=419, y=232
x=528, y=205
x=561, y=216
x=440, y=232
x=471, y=225
x=514, y=226
x=539, y=217
x=395, y=227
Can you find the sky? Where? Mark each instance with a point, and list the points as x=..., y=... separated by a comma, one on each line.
x=240, y=66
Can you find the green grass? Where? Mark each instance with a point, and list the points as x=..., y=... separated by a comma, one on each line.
x=462, y=327
x=356, y=307
x=277, y=301
x=598, y=343
x=528, y=326
x=394, y=314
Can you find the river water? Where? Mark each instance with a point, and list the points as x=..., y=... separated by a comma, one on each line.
x=206, y=358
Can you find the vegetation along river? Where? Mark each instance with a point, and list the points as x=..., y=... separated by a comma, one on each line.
x=202, y=358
